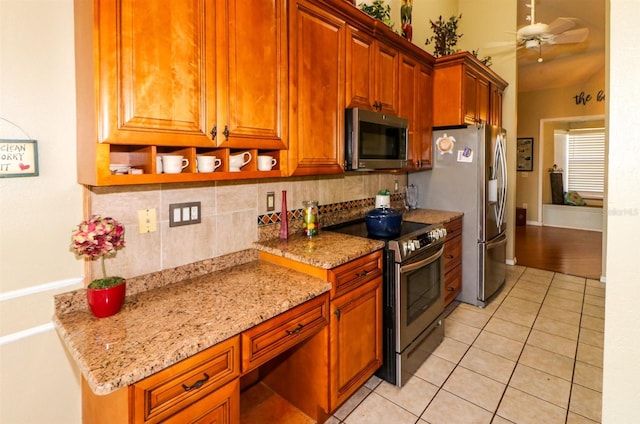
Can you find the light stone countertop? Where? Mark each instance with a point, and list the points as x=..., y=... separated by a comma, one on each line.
x=158, y=328
x=430, y=216
x=326, y=250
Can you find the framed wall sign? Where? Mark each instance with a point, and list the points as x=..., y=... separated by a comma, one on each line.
x=525, y=154
x=18, y=158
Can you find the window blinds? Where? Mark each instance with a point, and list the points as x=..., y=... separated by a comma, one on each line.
x=585, y=157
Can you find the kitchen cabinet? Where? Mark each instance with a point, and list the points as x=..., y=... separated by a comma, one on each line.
x=181, y=78
x=416, y=91
x=372, y=73
x=203, y=385
x=466, y=92
x=355, y=327
x=317, y=77
x=452, y=261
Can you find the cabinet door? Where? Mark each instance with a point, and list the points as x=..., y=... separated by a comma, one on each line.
x=408, y=96
x=355, y=340
x=387, y=60
x=423, y=140
x=495, y=116
x=360, y=76
x=415, y=94
x=317, y=46
x=252, y=74
x=153, y=60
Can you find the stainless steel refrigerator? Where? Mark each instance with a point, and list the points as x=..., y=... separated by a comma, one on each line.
x=469, y=175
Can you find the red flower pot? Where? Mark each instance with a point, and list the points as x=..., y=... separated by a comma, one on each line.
x=106, y=302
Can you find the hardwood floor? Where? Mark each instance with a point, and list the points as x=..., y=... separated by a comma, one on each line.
x=573, y=252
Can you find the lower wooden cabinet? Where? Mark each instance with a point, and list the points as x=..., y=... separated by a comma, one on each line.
x=355, y=340
x=453, y=260
x=202, y=388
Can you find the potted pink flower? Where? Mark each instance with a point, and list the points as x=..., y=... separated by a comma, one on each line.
x=94, y=238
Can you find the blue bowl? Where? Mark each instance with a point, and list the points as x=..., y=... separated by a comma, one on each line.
x=383, y=222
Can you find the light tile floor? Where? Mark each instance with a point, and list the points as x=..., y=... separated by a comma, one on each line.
x=533, y=355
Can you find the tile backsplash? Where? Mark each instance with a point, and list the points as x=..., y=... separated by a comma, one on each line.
x=234, y=215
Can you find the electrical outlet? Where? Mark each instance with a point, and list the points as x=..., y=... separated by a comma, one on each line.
x=524, y=206
x=147, y=221
x=271, y=201
x=184, y=214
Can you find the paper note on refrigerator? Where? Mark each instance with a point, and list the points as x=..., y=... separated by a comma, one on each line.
x=465, y=155
x=492, y=193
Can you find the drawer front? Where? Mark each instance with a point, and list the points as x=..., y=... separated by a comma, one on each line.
x=355, y=273
x=165, y=393
x=452, y=284
x=454, y=228
x=452, y=253
x=269, y=339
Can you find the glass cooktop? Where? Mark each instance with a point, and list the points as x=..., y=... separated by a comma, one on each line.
x=359, y=228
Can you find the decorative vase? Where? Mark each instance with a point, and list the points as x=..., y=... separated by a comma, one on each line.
x=106, y=302
x=284, y=220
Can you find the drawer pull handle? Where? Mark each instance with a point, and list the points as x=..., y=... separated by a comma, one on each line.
x=449, y=256
x=197, y=384
x=296, y=331
x=450, y=288
x=362, y=274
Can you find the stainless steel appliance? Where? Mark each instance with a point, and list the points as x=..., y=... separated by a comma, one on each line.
x=469, y=175
x=375, y=140
x=413, y=293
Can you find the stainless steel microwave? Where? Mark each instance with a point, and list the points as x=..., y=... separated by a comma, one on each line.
x=375, y=140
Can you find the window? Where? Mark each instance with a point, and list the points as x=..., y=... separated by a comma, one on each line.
x=585, y=162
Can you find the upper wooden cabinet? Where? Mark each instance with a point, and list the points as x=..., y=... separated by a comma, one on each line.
x=416, y=91
x=466, y=92
x=181, y=77
x=317, y=52
x=372, y=73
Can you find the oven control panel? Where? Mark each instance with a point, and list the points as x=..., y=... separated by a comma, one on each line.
x=421, y=241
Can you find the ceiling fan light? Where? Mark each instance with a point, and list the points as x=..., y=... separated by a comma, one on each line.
x=530, y=44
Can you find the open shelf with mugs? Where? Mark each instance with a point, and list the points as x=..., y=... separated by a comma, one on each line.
x=126, y=164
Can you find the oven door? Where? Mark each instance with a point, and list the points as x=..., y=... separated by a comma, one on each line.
x=420, y=285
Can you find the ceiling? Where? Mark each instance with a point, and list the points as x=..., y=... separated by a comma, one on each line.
x=563, y=64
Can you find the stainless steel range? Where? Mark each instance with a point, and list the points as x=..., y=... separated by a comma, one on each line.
x=413, y=293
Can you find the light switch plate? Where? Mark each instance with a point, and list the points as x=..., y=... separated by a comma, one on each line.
x=271, y=201
x=184, y=214
x=147, y=221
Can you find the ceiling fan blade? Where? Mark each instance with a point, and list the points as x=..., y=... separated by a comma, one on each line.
x=562, y=25
x=573, y=36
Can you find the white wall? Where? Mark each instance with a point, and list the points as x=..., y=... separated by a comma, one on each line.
x=621, y=392
x=38, y=383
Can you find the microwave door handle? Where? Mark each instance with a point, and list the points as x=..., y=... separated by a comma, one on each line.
x=423, y=262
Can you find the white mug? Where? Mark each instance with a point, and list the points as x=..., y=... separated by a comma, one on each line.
x=238, y=161
x=265, y=163
x=207, y=163
x=174, y=164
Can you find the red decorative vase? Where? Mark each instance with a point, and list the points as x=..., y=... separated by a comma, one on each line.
x=106, y=302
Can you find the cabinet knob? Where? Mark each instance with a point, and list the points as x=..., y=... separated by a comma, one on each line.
x=214, y=132
x=226, y=132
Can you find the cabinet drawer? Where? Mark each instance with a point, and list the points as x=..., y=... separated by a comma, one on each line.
x=452, y=253
x=454, y=228
x=355, y=273
x=165, y=393
x=269, y=339
x=452, y=284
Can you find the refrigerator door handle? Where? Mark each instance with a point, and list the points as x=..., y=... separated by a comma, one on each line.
x=500, y=157
x=492, y=244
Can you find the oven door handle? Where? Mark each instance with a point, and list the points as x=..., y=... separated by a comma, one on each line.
x=423, y=262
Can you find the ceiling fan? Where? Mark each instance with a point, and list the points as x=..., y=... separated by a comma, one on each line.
x=561, y=31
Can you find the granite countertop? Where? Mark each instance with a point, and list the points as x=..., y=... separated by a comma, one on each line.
x=158, y=328
x=326, y=250
x=430, y=216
